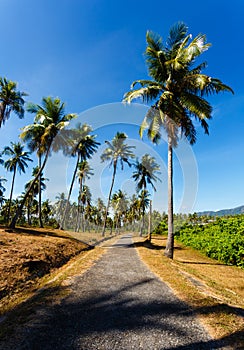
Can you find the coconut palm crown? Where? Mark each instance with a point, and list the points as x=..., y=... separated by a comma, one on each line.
x=145, y=172
x=11, y=100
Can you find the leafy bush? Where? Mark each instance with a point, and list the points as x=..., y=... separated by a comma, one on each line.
x=222, y=239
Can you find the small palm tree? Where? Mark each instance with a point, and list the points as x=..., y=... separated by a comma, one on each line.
x=38, y=187
x=84, y=200
x=116, y=151
x=46, y=210
x=17, y=161
x=11, y=100
x=99, y=213
x=84, y=171
x=52, y=119
x=60, y=206
x=144, y=174
x=120, y=205
x=144, y=203
x=176, y=93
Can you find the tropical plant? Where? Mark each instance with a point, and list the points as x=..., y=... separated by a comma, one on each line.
x=46, y=210
x=11, y=100
x=84, y=200
x=144, y=203
x=82, y=146
x=84, y=171
x=59, y=206
x=221, y=239
x=176, y=91
x=17, y=162
x=117, y=150
x=133, y=212
x=119, y=203
x=38, y=187
x=144, y=174
x=33, y=135
x=99, y=212
x=51, y=117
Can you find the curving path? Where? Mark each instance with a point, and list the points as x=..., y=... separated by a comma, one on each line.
x=117, y=304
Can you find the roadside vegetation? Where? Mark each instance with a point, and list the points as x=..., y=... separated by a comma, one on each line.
x=220, y=238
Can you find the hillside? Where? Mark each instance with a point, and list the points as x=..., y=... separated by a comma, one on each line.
x=223, y=212
x=27, y=255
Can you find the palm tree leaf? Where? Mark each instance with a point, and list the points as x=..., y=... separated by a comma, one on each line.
x=176, y=34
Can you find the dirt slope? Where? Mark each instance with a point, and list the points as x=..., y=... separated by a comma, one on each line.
x=26, y=255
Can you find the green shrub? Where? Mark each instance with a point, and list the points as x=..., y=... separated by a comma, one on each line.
x=222, y=240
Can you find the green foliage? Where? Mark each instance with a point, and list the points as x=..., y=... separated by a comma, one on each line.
x=161, y=229
x=222, y=239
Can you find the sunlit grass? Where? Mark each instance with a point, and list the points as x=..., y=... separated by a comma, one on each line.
x=214, y=291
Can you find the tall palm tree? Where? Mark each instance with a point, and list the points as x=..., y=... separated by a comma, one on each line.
x=51, y=117
x=17, y=161
x=117, y=150
x=82, y=146
x=176, y=91
x=33, y=135
x=11, y=100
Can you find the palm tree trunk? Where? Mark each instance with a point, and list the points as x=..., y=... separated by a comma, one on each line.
x=69, y=195
x=20, y=208
x=169, y=250
x=109, y=197
x=40, y=194
x=11, y=194
x=2, y=112
x=28, y=214
x=149, y=237
x=79, y=209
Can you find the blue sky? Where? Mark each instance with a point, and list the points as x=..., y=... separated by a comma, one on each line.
x=88, y=52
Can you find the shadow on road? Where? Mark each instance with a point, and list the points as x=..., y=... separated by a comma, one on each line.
x=78, y=321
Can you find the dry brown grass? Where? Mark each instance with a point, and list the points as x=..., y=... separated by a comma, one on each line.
x=29, y=258
x=213, y=290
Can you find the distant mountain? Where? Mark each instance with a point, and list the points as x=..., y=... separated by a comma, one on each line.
x=223, y=212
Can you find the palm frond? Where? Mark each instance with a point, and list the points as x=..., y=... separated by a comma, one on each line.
x=147, y=94
x=176, y=34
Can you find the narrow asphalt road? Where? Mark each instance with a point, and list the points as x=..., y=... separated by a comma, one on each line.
x=117, y=304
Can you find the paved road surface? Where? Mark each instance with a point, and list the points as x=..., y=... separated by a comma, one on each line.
x=117, y=304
